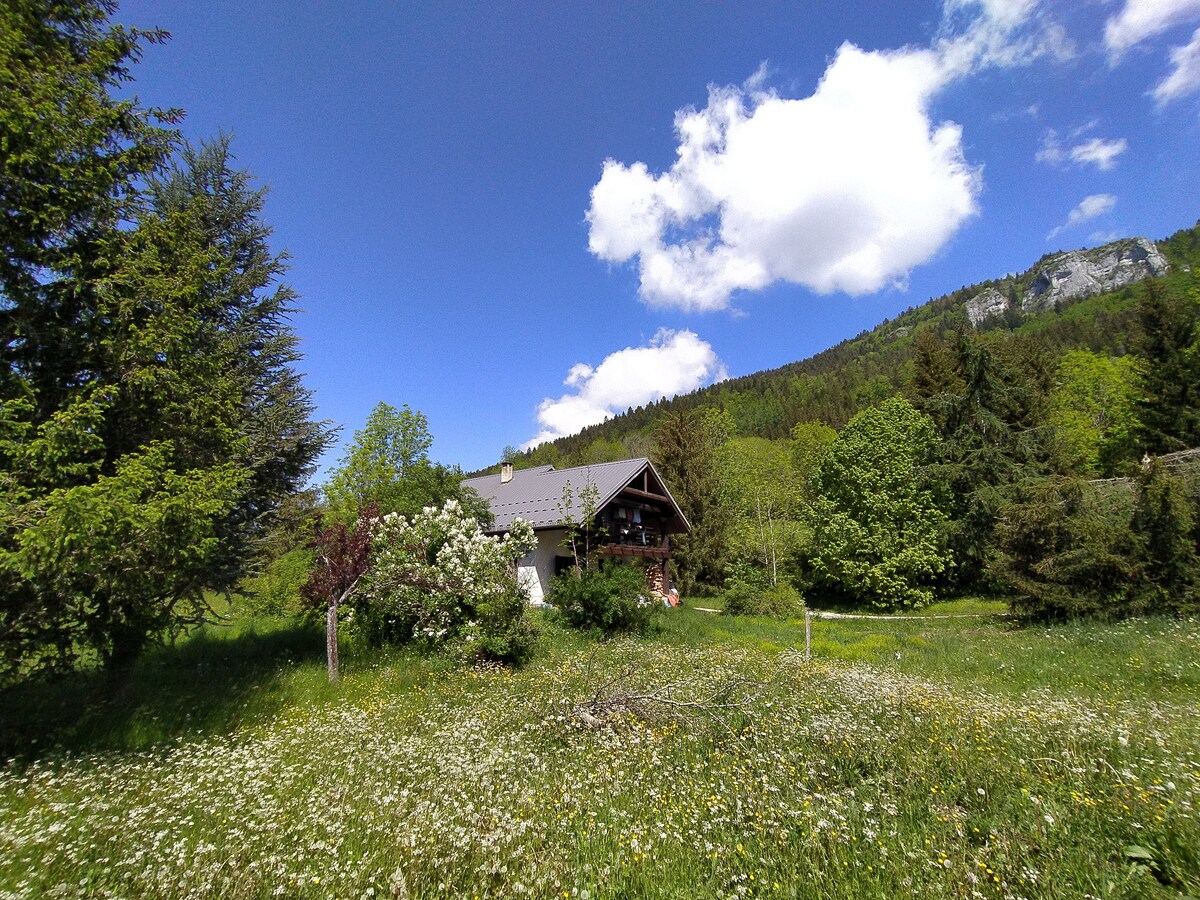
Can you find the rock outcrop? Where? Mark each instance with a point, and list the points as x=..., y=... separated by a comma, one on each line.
x=1082, y=273
x=986, y=303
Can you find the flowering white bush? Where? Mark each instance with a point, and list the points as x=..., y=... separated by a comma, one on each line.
x=437, y=577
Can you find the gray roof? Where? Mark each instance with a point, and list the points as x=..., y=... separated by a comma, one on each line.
x=536, y=495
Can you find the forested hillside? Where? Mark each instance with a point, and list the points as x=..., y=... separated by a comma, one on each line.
x=859, y=372
x=1032, y=435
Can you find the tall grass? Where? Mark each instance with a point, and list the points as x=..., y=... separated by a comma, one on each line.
x=984, y=761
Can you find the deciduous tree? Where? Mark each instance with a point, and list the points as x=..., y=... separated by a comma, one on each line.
x=343, y=557
x=878, y=534
x=388, y=466
x=1092, y=412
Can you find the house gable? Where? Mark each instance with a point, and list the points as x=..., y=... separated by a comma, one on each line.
x=537, y=495
x=635, y=517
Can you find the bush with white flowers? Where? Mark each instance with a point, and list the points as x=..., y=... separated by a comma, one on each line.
x=437, y=578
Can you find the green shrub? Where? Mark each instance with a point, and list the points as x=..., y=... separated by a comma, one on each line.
x=749, y=592
x=502, y=629
x=437, y=580
x=277, y=590
x=610, y=598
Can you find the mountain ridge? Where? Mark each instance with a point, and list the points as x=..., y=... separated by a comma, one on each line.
x=1073, y=298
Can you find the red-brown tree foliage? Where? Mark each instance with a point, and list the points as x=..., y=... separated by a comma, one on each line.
x=343, y=556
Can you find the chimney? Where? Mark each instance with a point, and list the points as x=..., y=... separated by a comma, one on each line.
x=505, y=473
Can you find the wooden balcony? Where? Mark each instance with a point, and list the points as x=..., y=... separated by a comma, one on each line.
x=635, y=551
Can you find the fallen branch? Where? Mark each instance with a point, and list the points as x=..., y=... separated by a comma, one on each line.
x=614, y=698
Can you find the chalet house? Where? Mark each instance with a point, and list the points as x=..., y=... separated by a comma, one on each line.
x=635, y=516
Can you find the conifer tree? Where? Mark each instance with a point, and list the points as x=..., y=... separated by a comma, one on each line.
x=1169, y=343
x=990, y=440
x=151, y=419
x=685, y=454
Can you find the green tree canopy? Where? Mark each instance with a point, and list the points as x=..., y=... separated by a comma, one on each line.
x=763, y=496
x=1093, y=413
x=809, y=444
x=685, y=452
x=988, y=419
x=71, y=154
x=388, y=466
x=879, y=537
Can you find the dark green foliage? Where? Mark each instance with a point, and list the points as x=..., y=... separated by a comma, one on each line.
x=872, y=392
x=989, y=442
x=1067, y=550
x=228, y=387
x=1100, y=549
x=608, y=598
x=937, y=373
x=1167, y=519
x=1169, y=344
x=102, y=568
x=183, y=376
x=70, y=157
x=151, y=419
x=685, y=453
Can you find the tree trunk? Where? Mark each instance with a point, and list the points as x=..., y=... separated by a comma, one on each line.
x=331, y=642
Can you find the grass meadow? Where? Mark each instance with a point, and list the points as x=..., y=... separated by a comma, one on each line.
x=908, y=758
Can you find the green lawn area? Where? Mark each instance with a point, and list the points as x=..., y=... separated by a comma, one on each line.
x=910, y=757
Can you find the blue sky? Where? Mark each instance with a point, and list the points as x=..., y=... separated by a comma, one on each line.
x=518, y=217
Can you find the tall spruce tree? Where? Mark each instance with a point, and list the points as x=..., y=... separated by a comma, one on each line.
x=1169, y=344
x=685, y=453
x=241, y=313
x=150, y=416
x=70, y=157
x=987, y=418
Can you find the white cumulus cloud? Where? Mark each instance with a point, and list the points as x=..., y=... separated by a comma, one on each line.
x=1185, y=77
x=1140, y=20
x=1090, y=207
x=1099, y=152
x=845, y=190
x=674, y=362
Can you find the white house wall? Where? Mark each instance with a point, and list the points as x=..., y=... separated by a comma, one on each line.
x=536, y=568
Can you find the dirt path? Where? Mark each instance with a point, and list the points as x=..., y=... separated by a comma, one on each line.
x=821, y=614
x=824, y=614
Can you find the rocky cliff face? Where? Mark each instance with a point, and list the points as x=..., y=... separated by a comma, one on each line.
x=985, y=304
x=1082, y=273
